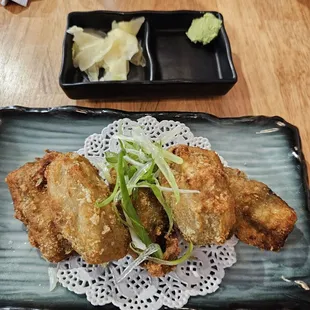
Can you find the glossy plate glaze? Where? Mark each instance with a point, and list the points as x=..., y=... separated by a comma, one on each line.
x=175, y=67
x=266, y=148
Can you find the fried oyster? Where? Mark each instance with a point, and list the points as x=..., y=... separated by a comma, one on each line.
x=209, y=216
x=55, y=198
x=263, y=219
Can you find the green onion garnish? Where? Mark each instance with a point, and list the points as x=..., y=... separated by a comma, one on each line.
x=138, y=165
x=178, y=261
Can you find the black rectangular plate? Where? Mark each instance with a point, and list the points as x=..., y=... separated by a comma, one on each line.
x=175, y=67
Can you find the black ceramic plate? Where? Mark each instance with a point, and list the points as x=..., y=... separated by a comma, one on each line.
x=175, y=66
x=266, y=148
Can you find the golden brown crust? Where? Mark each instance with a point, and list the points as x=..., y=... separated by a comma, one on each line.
x=263, y=219
x=55, y=198
x=32, y=207
x=171, y=253
x=95, y=233
x=153, y=217
x=207, y=217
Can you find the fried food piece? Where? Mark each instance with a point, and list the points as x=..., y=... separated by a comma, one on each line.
x=263, y=219
x=171, y=253
x=149, y=210
x=154, y=219
x=32, y=207
x=95, y=233
x=207, y=217
x=151, y=213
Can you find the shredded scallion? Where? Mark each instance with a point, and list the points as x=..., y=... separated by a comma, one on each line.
x=138, y=165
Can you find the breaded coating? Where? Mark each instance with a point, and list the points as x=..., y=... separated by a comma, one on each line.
x=206, y=217
x=263, y=219
x=33, y=207
x=149, y=210
x=95, y=233
x=154, y=219
x=172, y=251
x=151, y=213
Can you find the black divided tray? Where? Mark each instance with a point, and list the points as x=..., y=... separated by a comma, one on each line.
x=175, y=67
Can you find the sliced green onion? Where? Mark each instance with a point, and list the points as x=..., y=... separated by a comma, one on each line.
x=178, y=261
x=161, y=200
x=152, y=248
x=138, y=165
x=118, y=197
x=156, y=153
x=126, y=178
x=134, y=238
x=121, y=137
x=139, y=154
x=170, y=135
x=120, y=127
x=156, y=174
x=131, y=146
x=105, y=171
x=165, y=189
x=171, y=157
x=111, y=197
x=132, y=161
x=120, y=217
x=131, y=170
x=111, y=157
x=137, y=176
x=182, y=191
x=149, y=174
x=128, y=206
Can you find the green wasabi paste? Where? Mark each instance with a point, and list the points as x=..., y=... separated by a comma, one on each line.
x=204, y=29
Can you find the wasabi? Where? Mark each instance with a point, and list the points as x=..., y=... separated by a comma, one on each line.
x=204, y=29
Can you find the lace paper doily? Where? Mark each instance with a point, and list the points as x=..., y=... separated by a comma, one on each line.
x=198, y=276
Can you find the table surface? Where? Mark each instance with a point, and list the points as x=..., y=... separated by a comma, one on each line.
x=269, y=39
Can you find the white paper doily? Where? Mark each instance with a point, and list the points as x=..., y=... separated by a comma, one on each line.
x=199, y=276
